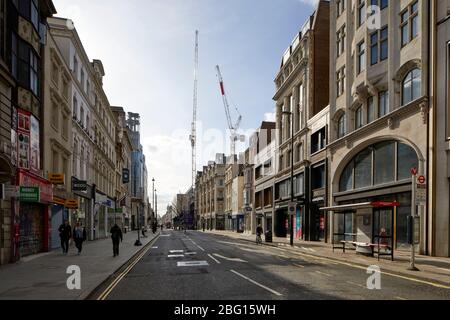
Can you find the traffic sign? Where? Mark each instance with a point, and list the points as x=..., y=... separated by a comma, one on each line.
x=414, y=171
x=421, y=180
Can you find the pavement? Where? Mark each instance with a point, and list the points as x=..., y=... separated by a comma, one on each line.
x=44, y=276
x=217, y=266
x=430, y=268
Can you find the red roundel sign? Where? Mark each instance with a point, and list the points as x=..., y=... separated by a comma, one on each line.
x=421, y=180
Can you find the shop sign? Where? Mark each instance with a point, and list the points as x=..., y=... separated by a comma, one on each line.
x=23, y=150
x=27, y=179
x=78, y=185
x=56, y=178
x=71, y=204
x=29, y=194
x=58, y=200
x=125, y=175
x=117, y=210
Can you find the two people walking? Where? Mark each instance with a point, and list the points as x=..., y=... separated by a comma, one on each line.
x=66, y=233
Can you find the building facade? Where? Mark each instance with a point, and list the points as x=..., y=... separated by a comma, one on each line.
x=301, y=93
x=378, y=117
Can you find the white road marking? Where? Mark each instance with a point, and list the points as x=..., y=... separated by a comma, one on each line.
x=165, y=235
x=400, y=298
x=256, y=283
x=192, y=263
x=154, y=247
x=356, y=284
x=324, y=273
x=229, y=259
x=197, y=245
x=190, y=253
x=217, y=261
x=176, y=251
x=175, y=256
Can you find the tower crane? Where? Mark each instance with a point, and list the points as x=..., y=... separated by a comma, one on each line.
x=193, y=136
x=234, y=127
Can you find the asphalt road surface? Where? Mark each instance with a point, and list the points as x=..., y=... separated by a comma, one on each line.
x=199, y=266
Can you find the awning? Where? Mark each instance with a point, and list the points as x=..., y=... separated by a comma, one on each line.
x=353, y=206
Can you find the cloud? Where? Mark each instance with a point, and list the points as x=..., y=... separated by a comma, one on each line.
x=270, y=116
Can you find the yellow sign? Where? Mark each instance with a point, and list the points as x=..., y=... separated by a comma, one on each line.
x=71, y=204
x=59, y=201
x=56, y=178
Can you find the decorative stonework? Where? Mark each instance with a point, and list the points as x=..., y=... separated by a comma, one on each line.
x=391, y=123
x=424, y=109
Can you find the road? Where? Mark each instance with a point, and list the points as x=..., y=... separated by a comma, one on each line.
x=199, y=266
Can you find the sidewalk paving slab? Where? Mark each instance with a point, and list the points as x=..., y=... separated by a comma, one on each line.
x=432, y=269
x=44, y=277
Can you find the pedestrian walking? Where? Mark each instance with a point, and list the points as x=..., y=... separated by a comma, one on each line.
x=79, y=236
x=65, y=233
x=116, y=236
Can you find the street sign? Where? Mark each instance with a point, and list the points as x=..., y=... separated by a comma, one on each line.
x=421, y=180
x=56, y=178
x=71, y=204
x=421, y=195
x=414, y=171
x=292, y=207
x=29, y=194
x=78, y=185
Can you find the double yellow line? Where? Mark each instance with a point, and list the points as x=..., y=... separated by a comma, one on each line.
x=104, y=295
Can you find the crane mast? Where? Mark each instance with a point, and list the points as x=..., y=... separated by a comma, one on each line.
x=193, y=136
x=233, y=127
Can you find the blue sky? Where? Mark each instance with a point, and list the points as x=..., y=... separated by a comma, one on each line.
x=147, y=49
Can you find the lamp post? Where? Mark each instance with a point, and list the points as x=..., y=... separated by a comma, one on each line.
x=153, y=201
x=291, y=217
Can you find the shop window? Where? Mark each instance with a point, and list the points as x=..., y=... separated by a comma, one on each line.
x=358, y=118
x=407, y=159
x=377, y=165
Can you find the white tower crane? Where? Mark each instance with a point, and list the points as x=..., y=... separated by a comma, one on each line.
x=193, y=136
x=234, y=127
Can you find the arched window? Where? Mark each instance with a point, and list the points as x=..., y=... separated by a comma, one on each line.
x=411, y=86
x=358, y=118
x=384, y=162
x=341, y=126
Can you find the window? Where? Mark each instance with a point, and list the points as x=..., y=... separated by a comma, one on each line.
x=55, y=116
x=340, y=4
x=383, y=103
x=379, y=46
x=363, y=169
x=341, y=126
x=14, y=54
x=35, y=14
x=370, y=109
x=82, y=116
x=448, y=90
x=75, y=107
x=407, y=159
x=75, y=66
x=288, y=159
x=82, y=79
x=2, y=28
x=340, y=81
x=340, y=39
x=361, y=12
x=361, y=57
x=384, y=162
x=358, y=117
x=34, y=73
x=411, y=86
x=377, y=165
x=65, y=169
x=65, y=126
x=318, y=177
x=409, y=23
x=55, y=160
x=281, y=164
x=25, y=65
x=299, y=153
x=380, y=3
x=301, y=104
x=318, y=141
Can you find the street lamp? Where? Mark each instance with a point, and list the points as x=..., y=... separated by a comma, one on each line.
x=291, y=217
x=153, y=201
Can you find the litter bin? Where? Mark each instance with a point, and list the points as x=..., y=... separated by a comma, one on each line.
x=269, y=236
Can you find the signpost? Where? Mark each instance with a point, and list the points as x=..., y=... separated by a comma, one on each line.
x=418, y=197
x=292, y=206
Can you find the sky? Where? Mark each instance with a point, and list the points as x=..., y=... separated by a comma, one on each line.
x=147, y=50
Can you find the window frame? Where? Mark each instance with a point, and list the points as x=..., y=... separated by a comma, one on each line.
x=361, y=12
x=359, y=122
x=361, y=56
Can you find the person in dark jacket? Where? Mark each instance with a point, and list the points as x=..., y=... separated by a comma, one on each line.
x=65, y=233
x=79, y=236
x=116, y=236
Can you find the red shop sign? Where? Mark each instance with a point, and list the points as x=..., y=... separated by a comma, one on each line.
x=27, y=179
